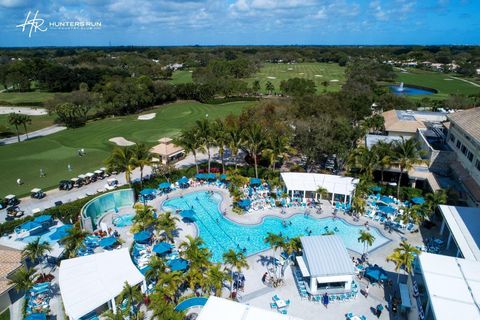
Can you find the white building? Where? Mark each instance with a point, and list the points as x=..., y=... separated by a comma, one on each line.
x=339, y=188
x=326, y=265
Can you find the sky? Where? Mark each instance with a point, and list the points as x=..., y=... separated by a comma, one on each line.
x=240, y=22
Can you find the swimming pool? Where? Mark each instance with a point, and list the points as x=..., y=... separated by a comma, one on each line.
x=44, y=236
x=123, y=221
x=221, y=234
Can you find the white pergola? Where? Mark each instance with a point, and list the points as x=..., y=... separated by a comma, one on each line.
x=221, y=309
x=89, y=282
x=464, y=226
x=310, y=182
x=452, y=285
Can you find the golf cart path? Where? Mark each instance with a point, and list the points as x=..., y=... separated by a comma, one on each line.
x=29, y=111
x=467, y=81
x=34, y=134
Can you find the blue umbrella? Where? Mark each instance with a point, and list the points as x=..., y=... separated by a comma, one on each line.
x=387, y=209
x=178, y=264
x=211, y=176
x=107, y=242
x=61, y=232
x=142, y=236
x=183, y=180
x=188, y=214
x=201, y=176
x=244, y=203
x=376, y=188
x=164, y=185
x=255, y=181
x=162, y=247
x=376, y=273
x=223, y=177
x=386, y=200
x=146, y=192
x=418, y=200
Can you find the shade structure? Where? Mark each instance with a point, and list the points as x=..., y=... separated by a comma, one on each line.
x=255, y=181
x=201, y=176
x=244, y=203
x=61, y=232
x=376, y=273
x=43, y=219
x=223, y=177
x=418, y=200
x=142, y=236
x=164, y=185
x=211, y=176
x=147, y=192
x=162, y=247
x=88, y=282
x=386, y=200
x=387, y=209
x=376, y=188
x=178, y=264
x=107, y=242
x=36, y=316
x=188, y=214
x=183, y=181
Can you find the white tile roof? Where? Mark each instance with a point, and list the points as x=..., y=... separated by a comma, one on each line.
x=301, y=181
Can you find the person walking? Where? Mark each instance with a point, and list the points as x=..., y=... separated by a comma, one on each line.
x=264, y=277
x=325, y=300
x=366, y=291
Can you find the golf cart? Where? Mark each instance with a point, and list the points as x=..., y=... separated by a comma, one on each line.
x=100, y=174
x=65, y=185
x=105, y=172
x=112, y=183
x=77, y=182
x=37, y=193
x=11, y=200
x=14, y=212
x=83, y=178
x=91, y=177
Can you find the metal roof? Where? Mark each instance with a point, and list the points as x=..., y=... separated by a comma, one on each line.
x=469, y=121
x=326, y=256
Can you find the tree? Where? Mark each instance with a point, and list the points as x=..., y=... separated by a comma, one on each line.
x=162, y=310
x=367, y=239
x=403, y=257
x=269, y=87
x=143, y=158
x=25, y=120
x=220, y=139
x=73, y=240
x=215, y=279
x=235, y=140
x=365, y=160
x=23, y=279
x=435, y=199
x=144, y=217
x=236, y=260
x=167, y=223
x=406, y=155
x=189, y=141
x=277, y=146
x=36, y=250
x=322, y=192
x=275, y=241
x=298, y=87
x=205, y=135
x=254, y=140
x=15, y=119
x=122, y=159
x=168, y=285
x=156, y=269
x=415, y=214
x=325, y=85
x=256, y=86
x=194, y=251
x=132, y=297
x=384, y=154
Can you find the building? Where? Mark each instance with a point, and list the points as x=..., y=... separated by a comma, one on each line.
x=373, y=139
x=220, y=309
x=91, y=282
x=464, y=139
x=451, y=287
x=168, y=151
x=10, y=261
x=326, y=265
x=339, y=188
x=405, y=123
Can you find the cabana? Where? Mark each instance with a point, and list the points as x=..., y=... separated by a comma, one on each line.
x=339, y=188
x=326, y=264
x=255, y=182
x=178, y=264
x=162, y=248
x=89, y=282
x=183, y=182
x=45, y=220
x=142, y=236
x=188, y=214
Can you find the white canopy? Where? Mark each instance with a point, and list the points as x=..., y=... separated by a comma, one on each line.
x=220, y=309
x=453, y=286
x=88, y=282
x=301, y=181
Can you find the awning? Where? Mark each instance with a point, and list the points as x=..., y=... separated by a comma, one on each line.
x=162, y=247
x=302, y=266
x=405, y=295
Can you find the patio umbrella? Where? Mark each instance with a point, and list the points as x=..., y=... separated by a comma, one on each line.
x=142, y=236
x=200, y=176
x=61, y=232
x=376, y=273
x=387, y=209
x=146, y=192
x=178, y=264
x=418, y=200
x=211, y=176
x=183, y=180
x=162, y=247
x=107, y=242
x=386, y=200
x=244, y=203
x=164, y=185
x=255, y=181
x=188, y=214
x=376, y=188
x=223, y=177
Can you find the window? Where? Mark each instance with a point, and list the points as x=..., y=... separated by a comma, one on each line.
x=459, y=144
x=464, y=150
x=477, y=164
x=470, y=156
x=452, y=138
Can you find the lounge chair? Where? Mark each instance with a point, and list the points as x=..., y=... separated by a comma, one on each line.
x=275, y=298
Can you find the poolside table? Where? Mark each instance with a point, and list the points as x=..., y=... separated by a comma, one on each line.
x=355, y=318
x=281, y=303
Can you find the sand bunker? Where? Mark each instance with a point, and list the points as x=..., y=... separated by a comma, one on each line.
x=318, y=75
x=148, y=116
x=334, y=80
x=301, y=73
x=272, y=78
x=290, y=69
x=448, y=79
x=121, y=141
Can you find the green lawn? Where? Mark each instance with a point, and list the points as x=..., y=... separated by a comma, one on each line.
x=443, y=83
x=53, y=153
x=5, y=315
x=181, y=76
x=318, y=72
x=30, y=98
x=38, y=122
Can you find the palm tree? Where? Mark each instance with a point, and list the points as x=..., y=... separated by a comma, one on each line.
x=435, y=199
x=143, y=158
x=122, y=159
x=156, y=268
x=119, y=315
x=188, y=141
x=406, y=155
x=325, y=85
x=236, y=260
x=384, y=152
x=322, y=192
x=162, y=310
x=256, y=86
x=278, y=146
x=25, y=120
x=15, y=119
x=292, y=246
x=235, y=141
x=367, y=239
x=215, y=278
x=269, y=87
x=275, y=241
x=358, y=204
x=254, y=140
x=22, y=279
x=144, y=217
x=205, y=136
x=194, y=251
x=365, y=160
x=403, y=257
x=74, y=240
x=36, y=250
x=220, y=139
x=167, y=223
x=133, y=297
x=168, y=284
x=415, y=214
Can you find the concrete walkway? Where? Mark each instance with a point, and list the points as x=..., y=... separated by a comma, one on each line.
x=467, y=81
x=30, y=111
x=34, y=134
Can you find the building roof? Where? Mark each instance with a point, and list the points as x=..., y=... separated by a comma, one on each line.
x=326, y=256
x=453, y=286
x=218, y=308
x=302, y=181
x=10, y=261
x=464, y=224
x=373, y=139
x=409, y=121
x=166, y=148
x=88, y=282
x=468, y=121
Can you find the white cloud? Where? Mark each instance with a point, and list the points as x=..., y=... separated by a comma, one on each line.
x=13, y=3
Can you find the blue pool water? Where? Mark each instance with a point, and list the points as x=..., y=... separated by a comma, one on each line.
x=221, y=234
x=409, y=91
x=44, y=237
x=192, y=302
x=96, y=208
x=124, y=221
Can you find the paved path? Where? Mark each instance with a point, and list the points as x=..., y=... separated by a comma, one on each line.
x=34, y=134
x=467, y=81
x=31, y=111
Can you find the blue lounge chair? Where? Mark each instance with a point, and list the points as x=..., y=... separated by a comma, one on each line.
x=349, y=315
x=283, y=311
x=273, y=305
x=275, y=298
